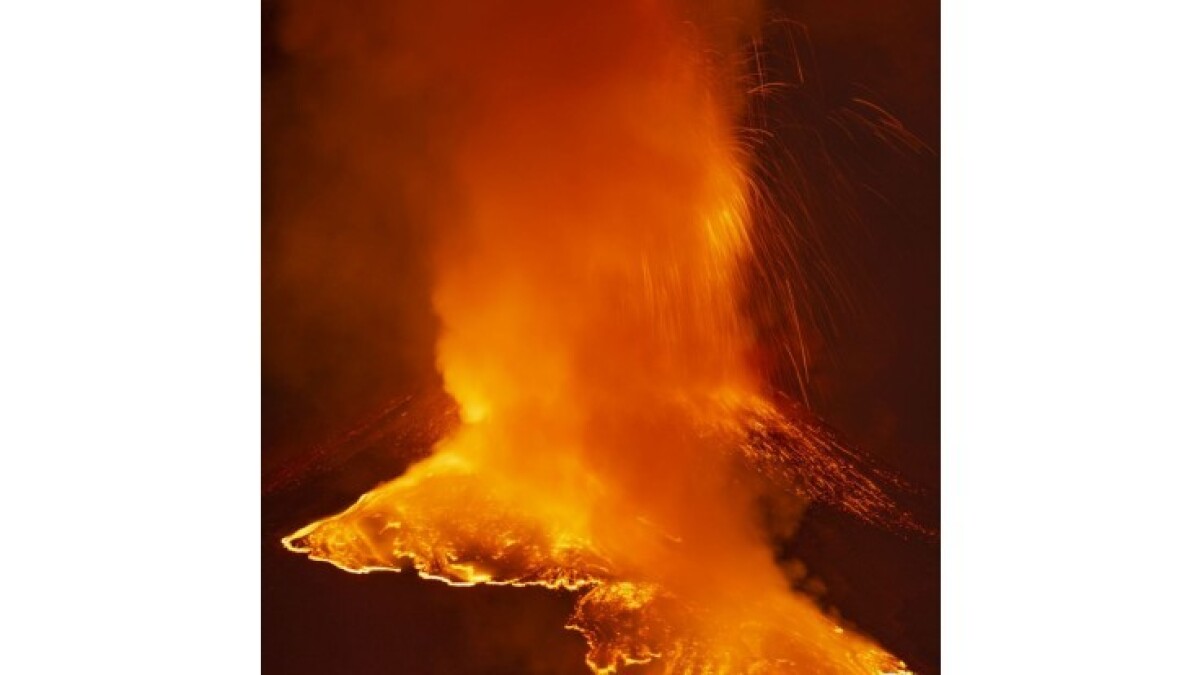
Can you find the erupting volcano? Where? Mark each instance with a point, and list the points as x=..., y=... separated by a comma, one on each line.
x=618, y=436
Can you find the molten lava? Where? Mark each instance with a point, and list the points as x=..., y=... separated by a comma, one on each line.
x=616, y=437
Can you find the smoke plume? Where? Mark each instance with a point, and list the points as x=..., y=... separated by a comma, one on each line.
x=571, y=178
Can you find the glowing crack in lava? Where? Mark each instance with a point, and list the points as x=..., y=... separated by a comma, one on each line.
x=615, y=438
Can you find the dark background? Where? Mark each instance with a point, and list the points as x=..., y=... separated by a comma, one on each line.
x=348, y=362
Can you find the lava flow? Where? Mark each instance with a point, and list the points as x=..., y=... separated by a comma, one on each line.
x=616, y=438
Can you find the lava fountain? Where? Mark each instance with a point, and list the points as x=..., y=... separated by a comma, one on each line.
x=589, y=283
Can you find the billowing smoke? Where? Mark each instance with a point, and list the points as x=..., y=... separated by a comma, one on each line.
x=572, y=180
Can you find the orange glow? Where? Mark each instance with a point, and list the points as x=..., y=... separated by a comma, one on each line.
x=588, y=283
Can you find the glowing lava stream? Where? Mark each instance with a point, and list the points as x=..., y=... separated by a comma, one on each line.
x=589, y=288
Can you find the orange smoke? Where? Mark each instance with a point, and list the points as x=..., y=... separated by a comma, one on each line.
x=587, y=280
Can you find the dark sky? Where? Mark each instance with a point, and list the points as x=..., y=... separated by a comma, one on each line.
x=339, y=343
